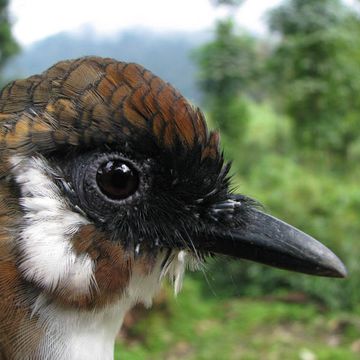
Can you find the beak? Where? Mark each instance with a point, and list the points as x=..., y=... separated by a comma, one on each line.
x=268, y=240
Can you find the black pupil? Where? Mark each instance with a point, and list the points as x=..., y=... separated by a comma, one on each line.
x=117, y=180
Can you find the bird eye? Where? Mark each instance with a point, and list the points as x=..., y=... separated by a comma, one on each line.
x=117, y=179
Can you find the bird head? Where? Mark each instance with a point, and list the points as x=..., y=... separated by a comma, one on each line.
x=113, y=180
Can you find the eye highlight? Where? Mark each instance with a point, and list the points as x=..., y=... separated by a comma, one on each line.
x=108, y=184
x=117, y=179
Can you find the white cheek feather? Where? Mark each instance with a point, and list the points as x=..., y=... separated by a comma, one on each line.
x=47, y=255
x=176, y=269
x=47, y=258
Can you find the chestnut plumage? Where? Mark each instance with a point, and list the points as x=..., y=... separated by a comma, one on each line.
x=110, y=181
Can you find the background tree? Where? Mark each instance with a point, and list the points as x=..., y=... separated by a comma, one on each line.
x=316, y=64
x=287, y=146
x=8, y=45
x=227, y=66
x=234, y=3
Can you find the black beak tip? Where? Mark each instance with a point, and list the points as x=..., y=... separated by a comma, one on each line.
x=335, y=268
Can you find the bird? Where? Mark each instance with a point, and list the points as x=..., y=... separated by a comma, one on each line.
x=110, y=182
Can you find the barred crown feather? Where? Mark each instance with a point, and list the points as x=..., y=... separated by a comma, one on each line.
x=91, y=101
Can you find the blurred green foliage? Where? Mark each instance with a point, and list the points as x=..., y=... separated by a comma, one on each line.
x=8, y=45
x=296, y=150
x=315, y=65
x=227, y=65
x=192, y=327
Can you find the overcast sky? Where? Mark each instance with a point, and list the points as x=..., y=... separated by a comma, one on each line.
x=37, y=19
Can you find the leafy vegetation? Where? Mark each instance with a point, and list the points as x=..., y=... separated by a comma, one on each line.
x=315, y=64
x=226, y=67
x=296, y=149
x=194, y=327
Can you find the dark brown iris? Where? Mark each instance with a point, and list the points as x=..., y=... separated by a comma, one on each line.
x=117, y=179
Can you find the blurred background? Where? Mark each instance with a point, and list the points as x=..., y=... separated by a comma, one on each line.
x=281, y=80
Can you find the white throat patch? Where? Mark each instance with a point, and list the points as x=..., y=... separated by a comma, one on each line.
x=48, y=258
